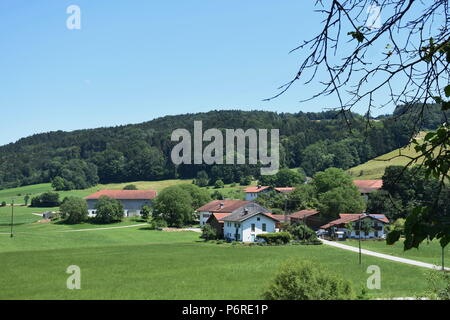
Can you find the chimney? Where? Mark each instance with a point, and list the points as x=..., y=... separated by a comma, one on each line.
x=245, y=211
x=258, y=186
x=221, y=205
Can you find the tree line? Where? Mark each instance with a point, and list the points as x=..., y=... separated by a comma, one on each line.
x=82, y=158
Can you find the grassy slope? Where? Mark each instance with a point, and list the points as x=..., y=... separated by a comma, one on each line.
x=160, y=268
x=34, y=190
x=374, y=169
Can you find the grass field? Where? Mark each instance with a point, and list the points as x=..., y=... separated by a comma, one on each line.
x=429, y=252
x=136, y=263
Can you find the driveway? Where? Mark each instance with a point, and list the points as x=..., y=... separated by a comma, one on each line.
x=383, y=256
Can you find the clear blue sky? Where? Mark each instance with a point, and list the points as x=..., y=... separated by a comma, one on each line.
x=133, y=61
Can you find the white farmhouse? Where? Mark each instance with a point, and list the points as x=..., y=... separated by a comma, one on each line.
x=339, y=226
x=218, y=206
x=245, y=223
x=251, y=193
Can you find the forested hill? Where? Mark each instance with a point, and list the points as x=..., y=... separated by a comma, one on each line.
x=313, y=141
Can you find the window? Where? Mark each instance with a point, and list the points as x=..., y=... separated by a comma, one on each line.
x=263, y=227
x=257, y=219
x=253, y=227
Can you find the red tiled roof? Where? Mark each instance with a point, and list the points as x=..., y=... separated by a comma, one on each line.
x=366, y=186
x=256, y=189
x=285, y=189
x=222, y=206
x=350, y=217
x=303, y=214
x=279, y=217
x=124, y=194
x=219, y=216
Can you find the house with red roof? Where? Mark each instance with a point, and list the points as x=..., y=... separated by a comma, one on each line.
x=367, y=186
x=218, y=206
x=340, y=226
x=131, y=200
x=251, y=193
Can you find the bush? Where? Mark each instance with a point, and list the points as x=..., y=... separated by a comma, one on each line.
x=304, y=280
x=46, y=200
x=275, y=237
x=300, y=231
x=245, y=181
x=74, y=210
x=130, y=187
x=157, y=223
x=219, y=184
x=208, y=233
x=217, y=195
x=439, y=285
x=145, y=212
x=3, y=204
x=108, y=210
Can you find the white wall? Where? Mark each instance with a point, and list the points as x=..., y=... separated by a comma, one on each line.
x=203, y=217
x=244, y=228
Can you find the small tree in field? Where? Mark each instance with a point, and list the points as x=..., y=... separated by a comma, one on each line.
x=304, y=280
x=108, y=210
x=208, y=233
x=145, y=212
x=74, y=210
x=130, y=187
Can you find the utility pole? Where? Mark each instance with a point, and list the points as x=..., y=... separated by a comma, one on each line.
x=359, y=242
x=443, y=267
x=12, y=216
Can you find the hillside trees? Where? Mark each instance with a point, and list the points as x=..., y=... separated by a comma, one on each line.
x=47, y=199
x=142, y=151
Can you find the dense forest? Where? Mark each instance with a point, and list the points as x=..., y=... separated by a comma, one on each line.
x=312, y=141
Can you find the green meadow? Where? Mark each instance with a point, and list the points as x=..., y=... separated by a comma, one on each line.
x=127, y=260
x=136, y=263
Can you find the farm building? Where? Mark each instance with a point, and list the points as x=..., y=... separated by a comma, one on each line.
x=340, y=226
x=367, y=186
x=218, y=206
x=132, y=200
x=251, y=193
x=245, y=223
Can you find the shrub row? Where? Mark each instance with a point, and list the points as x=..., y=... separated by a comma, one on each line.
x=275, y=237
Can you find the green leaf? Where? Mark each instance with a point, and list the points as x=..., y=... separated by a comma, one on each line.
x=447, y=91
x=445, y=105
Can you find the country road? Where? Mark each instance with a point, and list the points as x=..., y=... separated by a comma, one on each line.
x=384, y=256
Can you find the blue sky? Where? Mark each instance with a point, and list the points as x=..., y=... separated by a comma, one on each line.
x=133, y=61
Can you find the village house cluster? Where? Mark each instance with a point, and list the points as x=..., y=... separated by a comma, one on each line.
x=244, y=220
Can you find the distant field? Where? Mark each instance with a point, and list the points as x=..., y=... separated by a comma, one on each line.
x=34, y=190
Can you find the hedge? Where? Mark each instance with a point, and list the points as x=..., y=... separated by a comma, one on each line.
x=275, y=237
